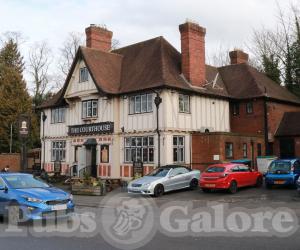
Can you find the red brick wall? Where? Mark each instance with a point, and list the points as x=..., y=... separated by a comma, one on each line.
x=248, y=123
x=12, y=160
x=275, y=114
x=206, y=145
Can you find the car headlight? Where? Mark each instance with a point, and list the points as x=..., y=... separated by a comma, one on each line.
x=146, y=184
x=31, y=199
x=71, y=197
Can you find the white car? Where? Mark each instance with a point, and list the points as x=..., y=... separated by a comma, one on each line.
x=165, y=179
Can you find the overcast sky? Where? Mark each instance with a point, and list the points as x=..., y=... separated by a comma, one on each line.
x=228, y=22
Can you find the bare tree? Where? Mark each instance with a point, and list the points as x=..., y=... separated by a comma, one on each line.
x=68, y=51
x=39, y=61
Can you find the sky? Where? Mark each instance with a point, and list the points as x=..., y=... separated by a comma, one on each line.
x=228, y=23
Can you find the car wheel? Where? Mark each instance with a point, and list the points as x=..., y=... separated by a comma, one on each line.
x=193, y=184
x=233, y=187
x=206, y=190
x=14, y=214
x=268, y=186
x=159, y=190
x=259, y=181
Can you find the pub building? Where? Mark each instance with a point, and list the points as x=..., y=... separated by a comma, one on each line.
x=148, y=104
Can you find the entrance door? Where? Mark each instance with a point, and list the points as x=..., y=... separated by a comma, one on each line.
x=287, y=147
x=91, y=160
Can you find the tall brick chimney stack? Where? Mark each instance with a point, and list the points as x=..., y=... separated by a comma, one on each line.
x=193, y=53
x=98, y=38
x=238, y=56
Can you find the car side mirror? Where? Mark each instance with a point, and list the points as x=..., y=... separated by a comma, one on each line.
x=4, y=188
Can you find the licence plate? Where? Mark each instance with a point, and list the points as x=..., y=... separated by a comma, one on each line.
x=279, y=182
x=59, y=207
x=210, y=185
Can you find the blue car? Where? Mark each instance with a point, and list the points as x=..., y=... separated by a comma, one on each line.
x=283, y=172
x=24, y=198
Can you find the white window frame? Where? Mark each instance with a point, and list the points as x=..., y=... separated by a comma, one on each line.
x=138, y=145
x=140, y=104
x=89, y=109
x=184, y=103
x=179, y=149
x=58, y=151
x=58, y=115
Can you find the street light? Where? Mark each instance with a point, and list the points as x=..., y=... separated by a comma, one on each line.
x=44, y=118
x=157, y=102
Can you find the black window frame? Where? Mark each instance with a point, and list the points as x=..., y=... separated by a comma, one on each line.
x=232, y=150
x=249, y=107
x=83, y=75
x=236, y=108
x=245, y=150
x=84, y=115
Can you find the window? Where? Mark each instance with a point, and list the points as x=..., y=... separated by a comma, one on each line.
x=140, y=104
x=249, y=107
x=228, y=150
x=184, y=103
x=236, y=108
x=89, y=109
x=245, y=151
x=258, y=149
x=178, y=148
x=58, y=151
x=83, y=75
x=178, y=171
x=58, y=115
x=244, y=168
x=139, y=149
x=76, y=153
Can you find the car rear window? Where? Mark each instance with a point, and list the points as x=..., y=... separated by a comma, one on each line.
x=283, y=166
x=215, y=169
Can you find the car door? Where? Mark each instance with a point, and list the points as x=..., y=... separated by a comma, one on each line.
x=235, y=174
x=4, y=196
x=297, y=169
x=246, y=176
x=176, y=178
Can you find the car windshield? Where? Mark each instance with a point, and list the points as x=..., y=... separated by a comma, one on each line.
x=281, y=166
x=215, y=169
x=159, y=172
x=24, y=181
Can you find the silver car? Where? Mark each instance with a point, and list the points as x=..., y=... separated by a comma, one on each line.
x=165, y=179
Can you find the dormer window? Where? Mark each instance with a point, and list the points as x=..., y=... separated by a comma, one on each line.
x=83, y=74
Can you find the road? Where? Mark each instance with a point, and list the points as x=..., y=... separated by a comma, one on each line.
x=250, y=198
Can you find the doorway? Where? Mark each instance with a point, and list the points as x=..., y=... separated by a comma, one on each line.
x=287, y=147
x=91, y=156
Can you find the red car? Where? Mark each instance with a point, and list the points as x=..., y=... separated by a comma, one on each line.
x=229, y=176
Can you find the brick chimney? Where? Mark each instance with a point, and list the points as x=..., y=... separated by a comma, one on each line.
x=193, y=53
x=98, y=38
x=238, y=56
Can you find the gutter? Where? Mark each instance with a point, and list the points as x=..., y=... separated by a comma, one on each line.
x=266, y=129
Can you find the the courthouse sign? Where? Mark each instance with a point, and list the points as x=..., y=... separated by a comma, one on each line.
x=89, y=129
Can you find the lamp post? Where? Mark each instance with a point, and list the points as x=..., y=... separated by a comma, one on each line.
x=157, y=102
x=44, y=118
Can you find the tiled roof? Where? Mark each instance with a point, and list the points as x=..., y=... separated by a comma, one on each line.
x=289, y=125
x=155, y=63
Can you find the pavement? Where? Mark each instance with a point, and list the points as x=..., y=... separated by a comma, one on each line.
x=105, y=206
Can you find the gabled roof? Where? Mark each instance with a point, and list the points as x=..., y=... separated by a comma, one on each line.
x=289, y=125
x=155, y=63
